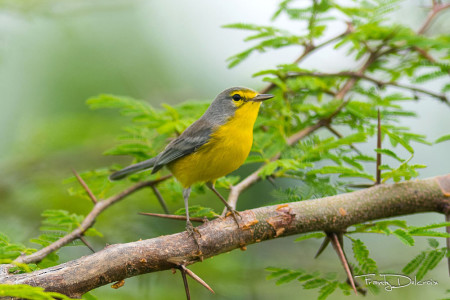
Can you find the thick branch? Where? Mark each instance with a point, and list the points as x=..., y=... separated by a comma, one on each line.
x=331, y=214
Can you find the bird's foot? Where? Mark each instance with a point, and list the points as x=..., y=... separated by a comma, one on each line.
x=234, y=214
x=193, y=232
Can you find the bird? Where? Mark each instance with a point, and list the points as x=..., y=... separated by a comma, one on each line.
x=213, y=146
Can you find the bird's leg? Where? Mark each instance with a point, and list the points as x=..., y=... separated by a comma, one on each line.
x=189, y=227
x=233, y=212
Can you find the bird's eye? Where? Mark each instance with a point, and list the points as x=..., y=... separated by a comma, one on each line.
x=236, y=97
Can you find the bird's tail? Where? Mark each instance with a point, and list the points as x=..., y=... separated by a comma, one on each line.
x=146, y=164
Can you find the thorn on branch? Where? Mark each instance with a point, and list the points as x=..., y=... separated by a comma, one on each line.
x=174, y=217
x=85, y=186
x=196, y=278
x=83, y=239
x=323, y=246
x=338, y=243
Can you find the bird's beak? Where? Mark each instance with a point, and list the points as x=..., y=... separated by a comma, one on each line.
x=262, y=97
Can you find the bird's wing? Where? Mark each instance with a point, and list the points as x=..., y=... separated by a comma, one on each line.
x=189, y=141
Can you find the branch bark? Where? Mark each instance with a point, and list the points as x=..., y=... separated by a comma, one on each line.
x=331, y=214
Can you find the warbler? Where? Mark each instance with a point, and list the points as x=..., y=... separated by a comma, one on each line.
x=212, y=147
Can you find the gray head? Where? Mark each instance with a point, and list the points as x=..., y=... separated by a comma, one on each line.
x=227, y=102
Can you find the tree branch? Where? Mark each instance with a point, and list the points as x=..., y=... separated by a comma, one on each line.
x=116, y=262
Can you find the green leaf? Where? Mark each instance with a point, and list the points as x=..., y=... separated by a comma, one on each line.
x=276, y=272
x=430, y=262
x=389, y=153
x=23, y=291
x=327, y=290
x=343, y=171
x=433, y=243
x=443, y=139
x=396, y=138
x=316, y=235
x=361, y=255
x=405, y=237
x=431, y=233
x=414, y=263
x=429, y=226
x=288, y=278
x=314, y=283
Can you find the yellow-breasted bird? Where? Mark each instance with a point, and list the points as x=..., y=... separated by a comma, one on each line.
x=212, y=147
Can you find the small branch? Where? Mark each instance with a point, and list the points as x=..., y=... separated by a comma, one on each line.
x=120, y=261
x=437, y=8
x=174, y=217
x=308, y=49
x=160, y=199
x=380, y=83
x=85, y=186
x=88, y=221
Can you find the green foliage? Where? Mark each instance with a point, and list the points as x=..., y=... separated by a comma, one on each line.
x=443, y=139
x=58, y=223
x=9, y=251
x=404, y=232
x=325, y=283
x=426, y=260
x=361, y=254
x=23, y=291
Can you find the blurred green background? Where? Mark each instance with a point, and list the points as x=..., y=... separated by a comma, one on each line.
x=56, y=54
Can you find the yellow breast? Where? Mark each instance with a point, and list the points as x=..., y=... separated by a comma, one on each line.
x=226, y=151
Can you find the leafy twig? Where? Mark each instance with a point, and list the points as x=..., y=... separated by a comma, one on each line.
x=379, y=83
x=88, y=221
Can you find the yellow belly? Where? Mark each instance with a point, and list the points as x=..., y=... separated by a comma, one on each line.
x=226, y=151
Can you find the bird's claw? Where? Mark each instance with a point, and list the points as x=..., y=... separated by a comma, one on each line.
x=193, y=232
x=234, y=214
